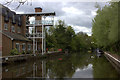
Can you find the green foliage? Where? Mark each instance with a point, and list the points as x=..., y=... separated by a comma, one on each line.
x=29, y=52
x=81, y=42
x=64, y=37
x=23, y=52
x=105, y=27
x=14, y=52
x=103, y=69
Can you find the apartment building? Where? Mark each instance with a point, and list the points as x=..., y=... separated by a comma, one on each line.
x=14, y=31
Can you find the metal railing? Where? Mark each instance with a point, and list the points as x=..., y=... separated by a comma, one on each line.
x=42, y=22
x=34, y=35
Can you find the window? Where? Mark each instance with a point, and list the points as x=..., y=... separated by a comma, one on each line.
x=6, y=16
x=19, y=21
x=13, y=19
x=19, y=18
x=29, y=47
x=23, y=47
x=19, y=30
x=6, y=13
x=12, y=28
x=18, y=47
x=5, y=26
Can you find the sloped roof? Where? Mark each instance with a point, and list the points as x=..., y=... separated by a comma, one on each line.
x=15, y=36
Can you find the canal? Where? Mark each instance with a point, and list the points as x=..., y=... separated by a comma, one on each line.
x=75, y=65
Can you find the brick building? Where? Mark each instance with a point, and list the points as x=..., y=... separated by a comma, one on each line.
x=14, y=31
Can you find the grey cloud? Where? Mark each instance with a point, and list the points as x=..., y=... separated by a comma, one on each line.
x=78, y=20
x=47, y=7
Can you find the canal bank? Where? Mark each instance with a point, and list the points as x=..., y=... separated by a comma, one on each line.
x=27, y=57
x=113, y=59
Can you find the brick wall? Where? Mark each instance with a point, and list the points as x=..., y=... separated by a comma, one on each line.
x=23, y=28
x=6, y=45
x=39, y=29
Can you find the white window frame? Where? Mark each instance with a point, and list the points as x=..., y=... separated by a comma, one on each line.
x=5, y=26
x=19, y=46
x=23, y=48
x=13, y=28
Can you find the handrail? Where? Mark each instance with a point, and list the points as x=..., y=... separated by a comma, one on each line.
x=42, y=22
x=34, y=35
x=112, y=57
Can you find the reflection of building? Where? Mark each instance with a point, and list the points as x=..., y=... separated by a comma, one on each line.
x=25, y=70
x=15, y=31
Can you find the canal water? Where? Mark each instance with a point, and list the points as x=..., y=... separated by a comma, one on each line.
x=75, y=65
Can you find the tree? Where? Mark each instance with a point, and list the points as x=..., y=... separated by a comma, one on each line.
x=105, y=27
x=64, y=37
x=20, y=2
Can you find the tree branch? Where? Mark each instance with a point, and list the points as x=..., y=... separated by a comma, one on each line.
x=8, y=2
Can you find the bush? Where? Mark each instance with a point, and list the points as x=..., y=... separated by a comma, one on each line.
x=23, y=52
x=19, y=53
x=14, y=52
x=29, y=52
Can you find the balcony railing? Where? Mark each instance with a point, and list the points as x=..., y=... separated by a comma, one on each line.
x=34, y=35
x=41, y=22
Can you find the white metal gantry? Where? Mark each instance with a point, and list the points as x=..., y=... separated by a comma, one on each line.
x=39, y=35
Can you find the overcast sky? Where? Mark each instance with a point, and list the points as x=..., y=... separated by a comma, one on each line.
x=77, y=14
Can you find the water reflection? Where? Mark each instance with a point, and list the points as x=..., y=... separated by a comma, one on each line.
x=103, y=69
x=76, y=65
x=86, y=72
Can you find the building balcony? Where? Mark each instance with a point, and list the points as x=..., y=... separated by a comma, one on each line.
x=41, y=22
x=34, y=35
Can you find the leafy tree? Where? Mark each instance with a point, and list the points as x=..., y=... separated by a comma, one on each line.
x=64, y=37
x=105, y=27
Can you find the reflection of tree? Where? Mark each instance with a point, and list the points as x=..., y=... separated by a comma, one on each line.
x=67, y=67
x=103, y=69
x=80, y=60
x=61, y=69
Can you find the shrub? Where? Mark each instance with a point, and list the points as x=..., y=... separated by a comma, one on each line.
x=23, y=52
x=14, y=52
x=19, y=53
x=29, y=52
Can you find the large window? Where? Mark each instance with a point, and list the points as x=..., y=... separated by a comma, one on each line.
x=12, y=28
x=19, y=21
x=23, y=47
x=18, y=47
x=5, y=26
x=6, y=16
x=29, y=47
x=19, y=30
x=13, y=19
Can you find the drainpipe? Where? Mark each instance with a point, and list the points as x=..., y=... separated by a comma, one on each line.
x=12, y=42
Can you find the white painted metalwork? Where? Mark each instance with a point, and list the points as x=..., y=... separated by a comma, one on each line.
x=44, y=42
x=42, y=39
x=34, y=38
x=39, y=35
x=40, y=22
x=36, y=44
x=113, y=57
